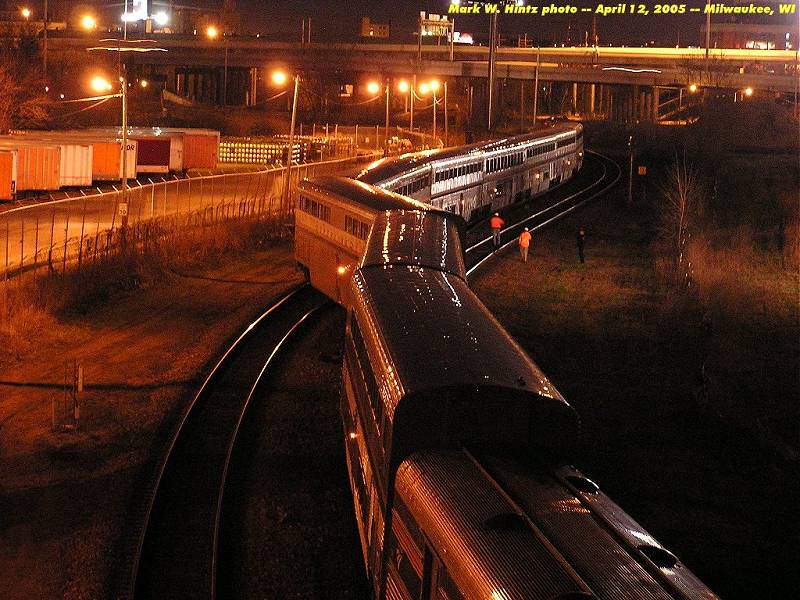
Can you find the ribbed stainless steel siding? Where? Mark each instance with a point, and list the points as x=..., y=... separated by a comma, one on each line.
x=452, y=501
x=683, y=581
x=591, y=549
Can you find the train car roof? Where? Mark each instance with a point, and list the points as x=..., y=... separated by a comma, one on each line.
x=421, y=238
x=548, y=542
x=370, y=197
x=440, y=355
x=387, y=168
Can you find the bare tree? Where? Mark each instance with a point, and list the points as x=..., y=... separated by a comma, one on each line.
x=684, y=198
x=23, y=102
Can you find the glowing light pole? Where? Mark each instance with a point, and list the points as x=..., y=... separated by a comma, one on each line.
x=280, y=78
x=100, y=84
x=373, y=87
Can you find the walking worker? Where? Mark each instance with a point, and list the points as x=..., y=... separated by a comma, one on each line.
x=496, y=224
x=524, y=243
x=580, y=238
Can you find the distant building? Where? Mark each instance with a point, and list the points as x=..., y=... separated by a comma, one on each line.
x=374, y=30
x=751, y=35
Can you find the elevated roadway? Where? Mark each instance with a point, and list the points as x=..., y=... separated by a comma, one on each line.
x=766, y=69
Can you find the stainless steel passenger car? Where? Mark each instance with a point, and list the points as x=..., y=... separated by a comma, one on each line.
x=455, y=442
x=333, y=218
x=473, y=180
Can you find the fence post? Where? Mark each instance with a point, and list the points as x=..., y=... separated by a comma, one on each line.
x=83, y=224
x=22, y=246
x=36, y=248
x=50, y=251
x=66, y=239
x=152, y=198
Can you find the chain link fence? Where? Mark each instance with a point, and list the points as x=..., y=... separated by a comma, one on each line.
x=71, y=231
x=368, y=137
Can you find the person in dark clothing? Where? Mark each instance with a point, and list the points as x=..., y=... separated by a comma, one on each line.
x=580, y=238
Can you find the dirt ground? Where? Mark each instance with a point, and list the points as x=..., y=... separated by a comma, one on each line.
x=288, y=524
x=63, y=496
x=692, y=473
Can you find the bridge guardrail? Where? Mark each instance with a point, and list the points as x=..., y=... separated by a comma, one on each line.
x=63, y=231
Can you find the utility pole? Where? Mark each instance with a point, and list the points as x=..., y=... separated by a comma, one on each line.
x=386, y=126
x=492, y=58
x=630, y=169
x=708, y=38
x=44, y=43
x=446, y=131
x=285, y=199
x=536, y=89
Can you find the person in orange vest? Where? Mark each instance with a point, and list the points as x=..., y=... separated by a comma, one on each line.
x=496, y=223
x=524, y=242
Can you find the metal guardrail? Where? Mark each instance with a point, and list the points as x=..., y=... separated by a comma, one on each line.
x=58, y=232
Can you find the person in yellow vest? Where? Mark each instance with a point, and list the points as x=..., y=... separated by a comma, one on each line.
x=524, y=243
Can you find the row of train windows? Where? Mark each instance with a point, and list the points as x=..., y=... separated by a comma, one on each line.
x=457, y=171
x=413, y=187
x=409, y=559
x=317, y=209
x=356, y=227
x=504, y=162
x=566, y=142
x=369, y=377
x=537, y=150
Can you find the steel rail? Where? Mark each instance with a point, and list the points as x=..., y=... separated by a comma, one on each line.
x=129, y=587
x=555, y=217
x=235, y=435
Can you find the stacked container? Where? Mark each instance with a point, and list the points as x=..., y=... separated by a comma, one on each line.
x=38, y=164
x=8, y=174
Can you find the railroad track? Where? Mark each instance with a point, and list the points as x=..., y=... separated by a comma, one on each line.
x=175, y=546
x=176, y=552
x=605, y=173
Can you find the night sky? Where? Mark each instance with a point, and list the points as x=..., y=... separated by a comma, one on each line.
x=339, y=20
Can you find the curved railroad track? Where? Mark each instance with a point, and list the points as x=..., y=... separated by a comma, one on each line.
x=595, y=179
x=175, y=546
x=176, y=552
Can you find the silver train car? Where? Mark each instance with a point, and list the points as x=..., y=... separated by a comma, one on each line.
x=333, y=217
x=455, y=443
x=474, y=180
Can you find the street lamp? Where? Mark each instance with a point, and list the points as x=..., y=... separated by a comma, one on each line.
x=431, y=86
x=280, y=78
x=212, y=32
x=373, y=87
x=100, y=84
x=748, y=91
x=693, y=88
x=88, y=22
x=26, y=13
x=405, y=88
x=161, y=18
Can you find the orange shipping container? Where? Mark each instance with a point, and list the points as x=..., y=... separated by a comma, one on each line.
x=200, y=151
x=8, y=175
x=38, y=165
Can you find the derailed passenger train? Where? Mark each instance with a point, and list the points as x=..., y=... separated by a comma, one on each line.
x=473, y=180
x=456, y=442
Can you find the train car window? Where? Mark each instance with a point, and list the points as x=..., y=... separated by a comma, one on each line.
x=355, y=227
x=412, y=580
x=369, y=377
x=446, y=589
